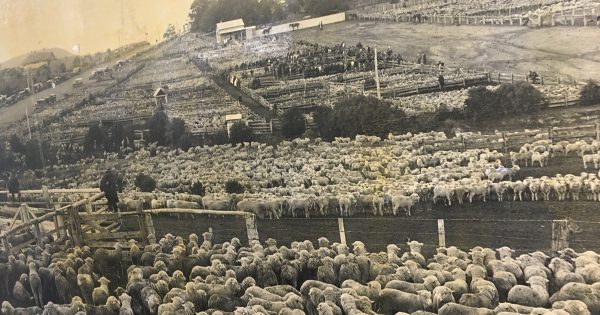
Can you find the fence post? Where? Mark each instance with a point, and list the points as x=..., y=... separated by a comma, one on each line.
x=75, y=230
x=342, y=231
x=441, y=233
x=251, y=228
x=560, y=234
x=60, y=225
x=143, y=226
x=504, y=144
x=597, y=131
x=550, y=134
x=46, y=196
x=150, y=226
x=512, y=78
x=462, y=140
x=6, y=244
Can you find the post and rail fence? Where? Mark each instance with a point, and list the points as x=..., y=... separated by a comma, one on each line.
x=84, y=227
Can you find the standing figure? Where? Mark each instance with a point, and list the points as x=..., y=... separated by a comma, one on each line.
x=108, y=185
x=14, y=187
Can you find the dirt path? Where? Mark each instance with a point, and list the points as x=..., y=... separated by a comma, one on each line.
x=570, y=51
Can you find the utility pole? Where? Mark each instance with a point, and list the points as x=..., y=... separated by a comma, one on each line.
x=377, y=76
x=39, y=135
x=29, y=85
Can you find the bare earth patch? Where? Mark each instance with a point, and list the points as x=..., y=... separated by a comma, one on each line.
x=568, y=51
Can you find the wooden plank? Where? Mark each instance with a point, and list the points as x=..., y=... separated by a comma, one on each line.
x=342, y=231
x=198, y=211
x=112, y=235
x=101, y=244
x=441, y=233
x=560, y=235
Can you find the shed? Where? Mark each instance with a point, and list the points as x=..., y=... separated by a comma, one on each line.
x=160, y=97
x=234, y=29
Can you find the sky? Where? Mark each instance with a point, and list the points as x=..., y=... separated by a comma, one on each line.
x=96, y=25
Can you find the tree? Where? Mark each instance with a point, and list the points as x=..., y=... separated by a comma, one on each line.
x=170, y=32
x=362, y=115
x=7, y=158
x=158, y=125
x=95, y=140
x=240, y=133
x=178, y=134
x=481, y=103
x=33, y=160
x=518, y=98
x=145, y=182
x=292, y=123
x=234, y=187
x=206, y=13
x=320, y=7
x=16, y=145
x=197, y=188
x=590, y=93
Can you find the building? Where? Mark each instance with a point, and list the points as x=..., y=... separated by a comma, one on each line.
x=234, y=30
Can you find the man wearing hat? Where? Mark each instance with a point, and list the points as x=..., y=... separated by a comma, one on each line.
x=108, y=185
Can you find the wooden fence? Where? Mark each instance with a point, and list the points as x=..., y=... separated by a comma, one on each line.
x=506, y=141
x=84, y=225
x=582, y=16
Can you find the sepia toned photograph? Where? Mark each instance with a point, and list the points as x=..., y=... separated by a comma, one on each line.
x=299, y=157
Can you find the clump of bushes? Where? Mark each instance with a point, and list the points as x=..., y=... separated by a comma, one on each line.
x=145, y=182
x=197, y=189
x=590, y=93
x=233, y=186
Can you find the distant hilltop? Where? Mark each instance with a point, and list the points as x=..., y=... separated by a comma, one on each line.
x=36, y=57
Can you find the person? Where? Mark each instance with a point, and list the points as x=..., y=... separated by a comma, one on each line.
x=108, y=185
x=14, y=187
x=441, y=81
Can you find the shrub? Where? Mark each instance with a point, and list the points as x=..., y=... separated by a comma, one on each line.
x=362, y=115
x=233, y=186
x=240, y=133
x=158, y=125
x=590, y=93
x=95, y=140
x=16, y=145
x=197, y=189
x=292, y=123
x=508, y=100
x=519, y=98
x=145, y=182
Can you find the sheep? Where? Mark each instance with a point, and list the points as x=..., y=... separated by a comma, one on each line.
x=563, y=273
x=441, y=296
x=101, y=293
x=151, y=300
x=111, y=307
x=429, y=283
x=125, y=300
x=392, y=301
x=458, y=309
x=20, y=292
x=36, y=285
x=588, y=294
x=8, y=309
x=264, y=294
x=292, y=302
x=172, y=307
x=536, y=295
x=86, y=286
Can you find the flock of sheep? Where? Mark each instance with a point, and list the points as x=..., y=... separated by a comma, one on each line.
x=196, y=276
x=365, y=175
